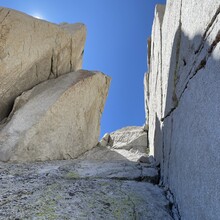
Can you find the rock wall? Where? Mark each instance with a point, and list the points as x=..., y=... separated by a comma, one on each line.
x=183, y=97
x=32, y=51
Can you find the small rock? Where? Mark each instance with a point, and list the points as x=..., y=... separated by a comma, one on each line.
x=145, y=127
x=71, y=193
x=151, y=159
x=104, y=141
x=144, y=159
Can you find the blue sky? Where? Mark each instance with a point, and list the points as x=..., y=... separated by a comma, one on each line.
x=117, y=32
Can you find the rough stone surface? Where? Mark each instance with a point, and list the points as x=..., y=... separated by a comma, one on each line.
x=154, y=85
x=80, y=190
x=106, y=140
x=128, y=143
x=130, y=137
x=32, y=51
x=57, y=119
x=146, y=97
x=189, y=126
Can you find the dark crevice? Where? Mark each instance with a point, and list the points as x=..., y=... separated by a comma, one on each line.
x=71, y=45
x=52, y=74
x=163, y=158
x=153, y=180
x=200, y=66
x=169, y=113
x=170, y=147
x=5, y=16
x=179, y=37
x=172, y=207
x=203, y=62
x=207, y=29
x=184, y=62
x=215, y=42
x=149, y=53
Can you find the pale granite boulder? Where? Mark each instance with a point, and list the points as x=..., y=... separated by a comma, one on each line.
x=126, y=144
x=32, y=51
x=57, y=119
x=130, y=137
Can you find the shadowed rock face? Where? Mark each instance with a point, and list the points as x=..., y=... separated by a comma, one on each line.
x=32, y=51
x=57, y=119
x=184, y=132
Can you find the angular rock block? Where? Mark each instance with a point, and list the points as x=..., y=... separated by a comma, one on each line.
x=32, y=51
x=57, y=119
x=130, y=137
x=126, y=144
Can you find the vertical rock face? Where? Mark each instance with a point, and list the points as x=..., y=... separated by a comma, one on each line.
x=32, y=51
x=183, y=103
x=153, y=83
x=57, y=119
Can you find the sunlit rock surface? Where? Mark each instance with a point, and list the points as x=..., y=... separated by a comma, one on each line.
x=32, y=51
x=57, y=119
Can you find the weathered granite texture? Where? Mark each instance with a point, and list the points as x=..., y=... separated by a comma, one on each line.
x=57, y=119
x=48, y=109
x=153, y=83
x=81, y=189
x=184, y=123
x=32, y=51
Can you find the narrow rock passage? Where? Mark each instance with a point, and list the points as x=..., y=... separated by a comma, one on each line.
x=85, y=188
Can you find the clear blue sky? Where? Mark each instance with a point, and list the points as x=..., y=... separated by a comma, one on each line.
x=117, y=32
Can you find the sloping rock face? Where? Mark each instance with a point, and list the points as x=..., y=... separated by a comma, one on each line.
x=57, y=119
x=32, y=51
x=183, y=105
x=82, y=189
